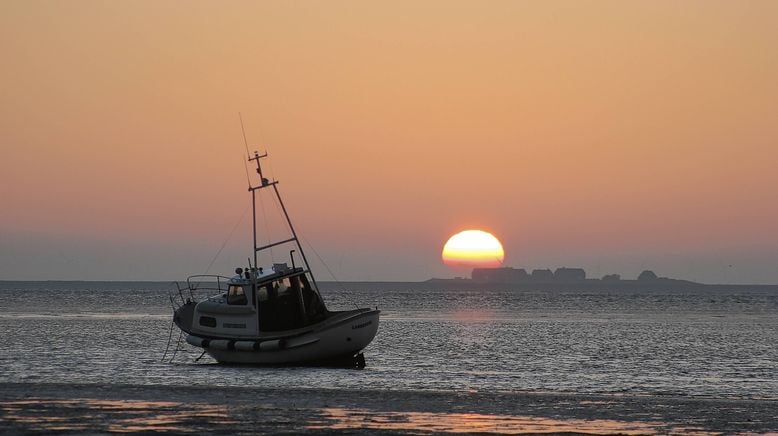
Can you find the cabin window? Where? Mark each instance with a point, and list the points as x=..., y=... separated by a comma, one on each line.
x=288, y=303
x=280, y=307
x=236, y=295
x=314, y=307
x=207, y=321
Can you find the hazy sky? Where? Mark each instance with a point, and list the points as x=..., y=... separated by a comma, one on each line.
x=616, y=136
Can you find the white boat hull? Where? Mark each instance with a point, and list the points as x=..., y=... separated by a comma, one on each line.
x=342, y=339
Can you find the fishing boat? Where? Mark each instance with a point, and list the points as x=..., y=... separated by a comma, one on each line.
x=270, y=315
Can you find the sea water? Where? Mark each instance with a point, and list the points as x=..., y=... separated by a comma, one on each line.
x=713, y=344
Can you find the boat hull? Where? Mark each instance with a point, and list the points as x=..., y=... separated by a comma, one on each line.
x=341, y=340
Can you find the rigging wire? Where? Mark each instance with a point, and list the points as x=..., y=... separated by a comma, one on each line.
x=321, y=260
x=278, y=206
x=243, y=215
x=289, y=225
x=316, y=253
x=224, y=244
x=270, y=165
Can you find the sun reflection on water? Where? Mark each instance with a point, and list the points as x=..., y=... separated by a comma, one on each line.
x=38, y=415
x=348, y=419
x=115, y=416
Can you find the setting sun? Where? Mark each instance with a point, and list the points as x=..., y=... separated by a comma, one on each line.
x=473, y=248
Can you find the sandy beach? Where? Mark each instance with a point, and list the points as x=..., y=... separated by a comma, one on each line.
x=101, y=408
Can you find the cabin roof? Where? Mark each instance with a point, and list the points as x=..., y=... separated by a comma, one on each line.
x=265, y=276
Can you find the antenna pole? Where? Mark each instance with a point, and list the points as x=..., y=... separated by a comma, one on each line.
x=262, y=178
x=242, y=129
x=253, y=193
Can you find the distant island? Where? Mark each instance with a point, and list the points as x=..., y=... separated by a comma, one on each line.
x=563, y=274
x=576, y=278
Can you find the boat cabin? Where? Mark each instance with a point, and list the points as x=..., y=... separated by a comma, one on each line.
x=260, y=302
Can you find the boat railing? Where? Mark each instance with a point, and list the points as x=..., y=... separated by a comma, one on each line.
x=198, y=288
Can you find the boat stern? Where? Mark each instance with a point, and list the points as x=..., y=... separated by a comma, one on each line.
x=362, y=329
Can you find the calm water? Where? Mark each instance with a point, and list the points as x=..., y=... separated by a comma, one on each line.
x=714, y=344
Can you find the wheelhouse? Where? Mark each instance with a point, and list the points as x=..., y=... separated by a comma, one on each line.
x=288, y=302
x=285, y=299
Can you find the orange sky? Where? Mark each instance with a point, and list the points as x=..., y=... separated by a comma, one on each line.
x=616, y=136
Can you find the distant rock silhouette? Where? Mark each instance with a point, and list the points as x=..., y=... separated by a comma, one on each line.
x=574, y=279
x=647, y=275
x=518, y=275
x=565, y=273
x=500, y=275
x=564, y=277
x=542, y=275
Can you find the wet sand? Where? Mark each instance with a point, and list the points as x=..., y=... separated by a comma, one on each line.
x=53, y=408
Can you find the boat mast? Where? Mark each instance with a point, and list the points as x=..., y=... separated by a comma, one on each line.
x=265, y=183
x=253, y=191
x=254, y=220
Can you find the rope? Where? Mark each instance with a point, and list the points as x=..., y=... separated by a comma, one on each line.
x=178, y=343
x=169, y=338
